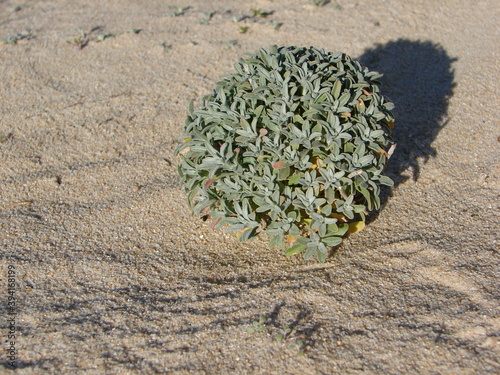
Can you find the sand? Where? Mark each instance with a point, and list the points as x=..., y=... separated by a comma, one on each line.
x=112, y=274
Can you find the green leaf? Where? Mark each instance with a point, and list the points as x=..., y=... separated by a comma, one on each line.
x=294, y=230
x=277, y=240
x=321, y=256
x=384, y=180
x=343, y=100
x=191, y=106
x=327, y=210
x=248, y=233
x=295, y=249
x=283, y=173
x=294, y=179
x=311, y=250
x=263, y=208
x=367, y=195
x=330, y=194
x=342, y=229
x=337, y=86
x=253, y=96
x=319, y=202
x=332, y=241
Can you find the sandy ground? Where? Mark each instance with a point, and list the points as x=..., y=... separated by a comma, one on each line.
x=114, y=276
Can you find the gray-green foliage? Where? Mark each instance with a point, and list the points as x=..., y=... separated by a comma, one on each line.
x=294, y=144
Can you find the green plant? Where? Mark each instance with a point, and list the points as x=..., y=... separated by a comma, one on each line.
x=104, y=36
x=84, y=38
x=207, y=16
x=261, y=13
x=320, y=3
x=281, y=338
x=5, y=137
x=178, y=11
x=13, y=39
x=258, y=325
x=81, y=41
x=292, y=144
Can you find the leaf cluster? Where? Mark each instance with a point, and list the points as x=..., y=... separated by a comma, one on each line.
x=293, y=143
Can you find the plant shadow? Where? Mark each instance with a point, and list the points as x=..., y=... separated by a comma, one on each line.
x=419, y=79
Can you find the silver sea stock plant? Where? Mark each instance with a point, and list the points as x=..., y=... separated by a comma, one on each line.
x=293, y=143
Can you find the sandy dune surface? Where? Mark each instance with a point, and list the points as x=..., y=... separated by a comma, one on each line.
x=110, y=273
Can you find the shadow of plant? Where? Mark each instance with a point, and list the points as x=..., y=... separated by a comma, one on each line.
x=419, y=79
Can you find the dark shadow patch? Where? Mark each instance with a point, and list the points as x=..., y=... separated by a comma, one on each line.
x=419, y=79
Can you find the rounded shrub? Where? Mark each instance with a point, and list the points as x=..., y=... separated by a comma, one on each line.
x=293, y=144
